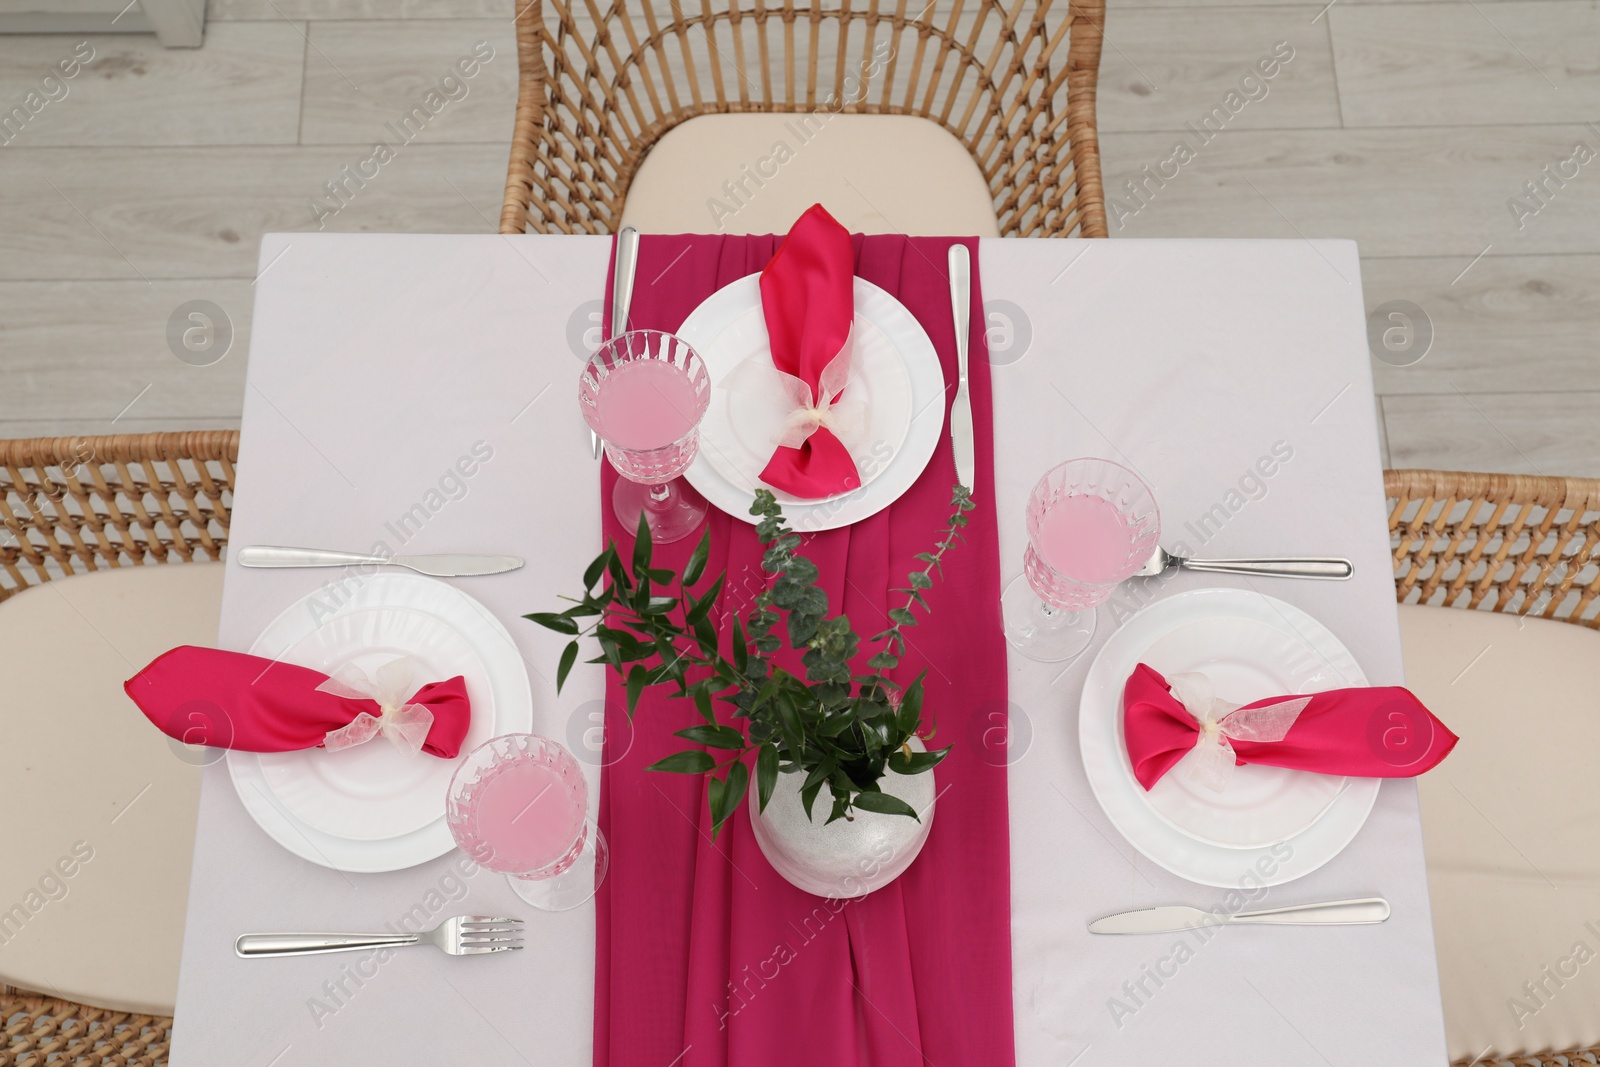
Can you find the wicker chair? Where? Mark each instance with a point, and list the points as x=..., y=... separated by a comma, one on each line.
x=1014, y=83
x=71, y=505
x=1497, y=542
x=1527, y=546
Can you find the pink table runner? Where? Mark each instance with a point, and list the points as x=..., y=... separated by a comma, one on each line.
x=704, y=954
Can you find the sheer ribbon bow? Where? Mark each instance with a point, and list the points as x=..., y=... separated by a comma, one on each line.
x=406, y=725
x=1213, y=761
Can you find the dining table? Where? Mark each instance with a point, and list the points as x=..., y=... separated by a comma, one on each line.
x=418, y=393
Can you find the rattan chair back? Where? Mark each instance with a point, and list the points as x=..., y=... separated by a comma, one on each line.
x=600, y=83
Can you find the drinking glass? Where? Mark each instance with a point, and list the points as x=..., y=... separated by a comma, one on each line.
x=518, y=804
x=1092, y=523
x=644, y=392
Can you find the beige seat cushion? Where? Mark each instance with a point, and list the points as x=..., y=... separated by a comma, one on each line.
x=757, y=173
x=99, y=809
x=1511, y=823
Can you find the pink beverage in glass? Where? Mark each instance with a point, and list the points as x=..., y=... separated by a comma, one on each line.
x=1086, y=537
x=1091, y=524
x=528, y=816
x=645, y=405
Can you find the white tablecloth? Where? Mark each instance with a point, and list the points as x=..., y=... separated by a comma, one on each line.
x=379, y=361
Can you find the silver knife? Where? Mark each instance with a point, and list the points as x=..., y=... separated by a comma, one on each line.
x=627, y=263
x=1176, y=918
x=446, y=565
x=961, y=407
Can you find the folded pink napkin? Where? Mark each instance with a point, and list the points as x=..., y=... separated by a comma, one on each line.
x=808, y=300
x=1377, y=732
x=205, y=696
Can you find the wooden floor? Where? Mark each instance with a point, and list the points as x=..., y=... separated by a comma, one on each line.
x=1412, y=127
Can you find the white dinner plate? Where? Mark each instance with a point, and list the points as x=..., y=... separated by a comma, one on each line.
x=1276, y=646
x=374, y=790
x=728, y=329
x=506, y=677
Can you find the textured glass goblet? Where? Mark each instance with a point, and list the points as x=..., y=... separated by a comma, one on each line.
x=518, y=804
x=644, y=393
x=1091, y=524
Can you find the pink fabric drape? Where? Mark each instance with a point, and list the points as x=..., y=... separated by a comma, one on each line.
x=705, y=956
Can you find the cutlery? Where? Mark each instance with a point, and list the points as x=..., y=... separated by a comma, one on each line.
x=1286, y=567
x=1177, y=918
x=627, y=262
x=961, y=407
x=464, y=935
x=445, y=565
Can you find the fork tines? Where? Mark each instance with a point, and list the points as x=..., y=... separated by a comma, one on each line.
x=478, y=934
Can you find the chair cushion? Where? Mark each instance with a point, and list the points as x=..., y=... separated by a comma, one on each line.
x=1511, y=823
x=99, y=808
x=756, y=173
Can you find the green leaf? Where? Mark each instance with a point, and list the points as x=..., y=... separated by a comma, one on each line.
x=919, y=580
x=637, y=676
x=808, y=795
x=884, y=661
x=702, y=702
x=802, y=628
x=569, y=656
x=802, y=570
x=697, y=560
x=713, y=736
x=789, y=720
x=766, y=774
x=884, y=804
x=902, y=616
x=725, y=801
x=598, y=567
x=813, y=601
x=659, y=605
x=642, y=546
x=903, y=762
x=741, y=653
x=553, y=621
x=691, y=761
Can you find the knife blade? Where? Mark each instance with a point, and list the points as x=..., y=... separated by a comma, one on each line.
x=1177, y=917
x=627, y=263
x=961, y=436
x=438, y=565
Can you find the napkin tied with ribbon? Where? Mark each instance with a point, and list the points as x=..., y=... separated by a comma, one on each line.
x=808, y=301
x=1368, y=732
x=208, y=696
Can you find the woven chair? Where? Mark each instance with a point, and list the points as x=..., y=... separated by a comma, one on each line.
x=1519, y=545
x=76, y=504
x=598, y=86
x=1497, y=542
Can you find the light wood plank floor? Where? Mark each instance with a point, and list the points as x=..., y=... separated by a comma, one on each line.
x=1413, y=127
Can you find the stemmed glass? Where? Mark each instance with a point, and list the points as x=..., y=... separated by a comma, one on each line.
x=518, y=804
x=1092, y=523
x=644, y=392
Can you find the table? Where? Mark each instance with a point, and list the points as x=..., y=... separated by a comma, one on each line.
x=380, y=360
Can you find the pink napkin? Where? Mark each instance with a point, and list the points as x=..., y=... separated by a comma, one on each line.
x=206, y=696
x=1378, y=732
x=704, y=955
x=808, y=300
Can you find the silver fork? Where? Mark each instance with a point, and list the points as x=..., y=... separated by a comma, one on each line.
x=464, y=935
